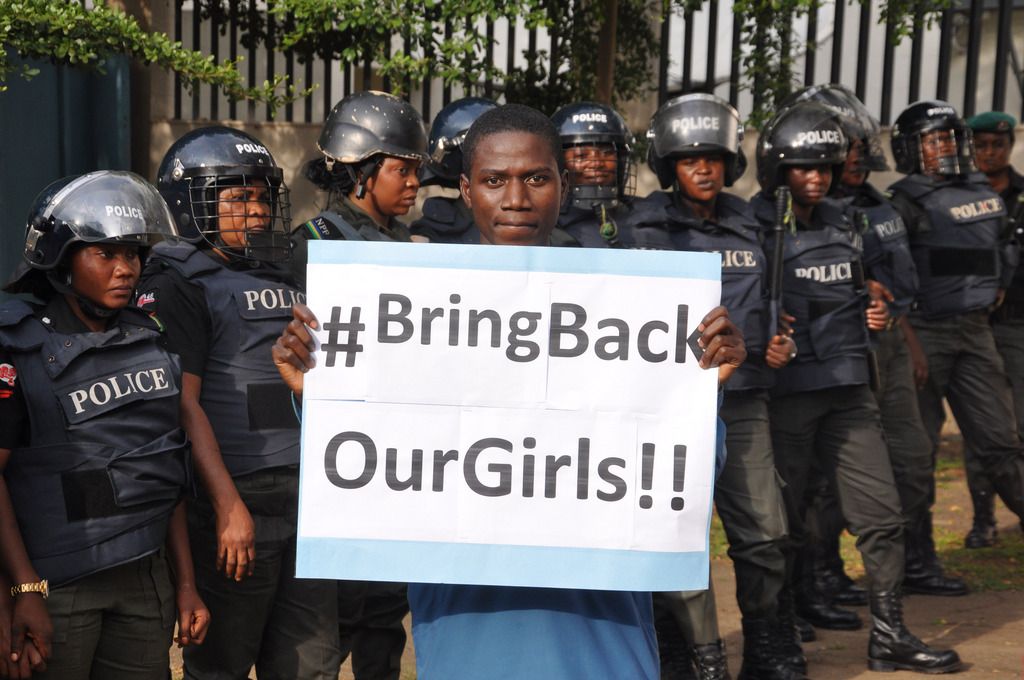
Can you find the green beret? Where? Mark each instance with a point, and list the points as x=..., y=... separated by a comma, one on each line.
x=992, y=121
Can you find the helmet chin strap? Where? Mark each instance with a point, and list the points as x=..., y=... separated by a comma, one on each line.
x=61, y=282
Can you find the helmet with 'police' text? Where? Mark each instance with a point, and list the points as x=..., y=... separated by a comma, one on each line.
x=804, y=134
x=595, y=139
x=695, y=124
x=226, y=191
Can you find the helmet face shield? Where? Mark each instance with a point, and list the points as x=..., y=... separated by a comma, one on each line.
x=695, y=124
x=945, y=151
x=102, y=206
x=246, y=211
x=596, y=147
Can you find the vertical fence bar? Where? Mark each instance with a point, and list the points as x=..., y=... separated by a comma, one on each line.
x=428, y=79
x=687, y=51
x=446, y=91
x=666, y=32
x=945, y=53
x=407, y=81
x=711, y=76
x=916, y=49
x=328, y=77
x=555, y=33
x=177, y=76
x=215, y=53
x=734, y=68
x=887, y=65
x=386, y=81
x=195, y=46
x=863, y=49
x=307, y=111
x=233, y=55
x=811, y=51
x=531, y=57
x=289, y=70
x=1003, y=47
x=367, y=70
x=271, y=52
x=489, y=57
x=251, y=105
x=837, y=41
x=973, y=49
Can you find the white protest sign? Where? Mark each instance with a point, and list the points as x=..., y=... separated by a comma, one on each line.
x=508, y=416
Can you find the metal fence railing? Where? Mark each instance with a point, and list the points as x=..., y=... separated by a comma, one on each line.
x=971, y=55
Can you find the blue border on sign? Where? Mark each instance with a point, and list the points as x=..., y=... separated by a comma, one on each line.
x=500, y=565
x=660, y=263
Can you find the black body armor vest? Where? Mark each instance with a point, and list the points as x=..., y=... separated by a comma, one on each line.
x=107, y=460
x=658, y=223
x=887, y=256
x=956, y=237
x=823, y=287
x=248, y=405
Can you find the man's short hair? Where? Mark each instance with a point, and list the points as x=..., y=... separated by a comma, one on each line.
x=511, y=118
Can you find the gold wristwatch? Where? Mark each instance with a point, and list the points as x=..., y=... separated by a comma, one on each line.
x=43, y=588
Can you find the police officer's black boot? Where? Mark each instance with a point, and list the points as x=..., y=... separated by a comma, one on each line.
x=672, y=651
x=983, y=531
x=785, y=637
x=923, y=574
x=710, y=662
x=815, y=607
x=761, y=658
x=892, y=647
x=830, y=576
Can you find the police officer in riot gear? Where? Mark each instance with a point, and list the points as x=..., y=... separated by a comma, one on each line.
x=596, y=144
x=961, y=242
x=372, y=145
x=993, y=143
x=222, y=301
x=888, y=260
x=822, y=407
x=94, y=459
x=446, y=219
x=695, y=150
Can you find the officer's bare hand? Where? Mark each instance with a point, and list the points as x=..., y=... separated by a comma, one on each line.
x=721, y=339
x=786, y=321
x=193, y=617
x=30, y=626
x=878, y=291
x=293, y=351
x=918, y=359
x=236, y=542
x=877, y=315
x=780, y=351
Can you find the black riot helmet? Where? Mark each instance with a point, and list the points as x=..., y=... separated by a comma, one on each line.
x=694, y=124
x=805, y=133
x=365, y=126
x=447, y=133
x=100, y=207
x=916, y=121
x=219, y=171
x=856, y=120
x=588, y=124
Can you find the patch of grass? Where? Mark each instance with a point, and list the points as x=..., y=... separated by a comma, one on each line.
x=718, y=544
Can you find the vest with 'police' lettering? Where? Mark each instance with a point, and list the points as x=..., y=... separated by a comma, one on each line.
x=956, y=239
x=248, y=405
x=106, y=460
x=659, y=223
x=823, y=287
x=887, y=255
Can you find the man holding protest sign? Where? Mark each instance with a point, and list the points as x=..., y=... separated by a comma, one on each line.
x=514, y=184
